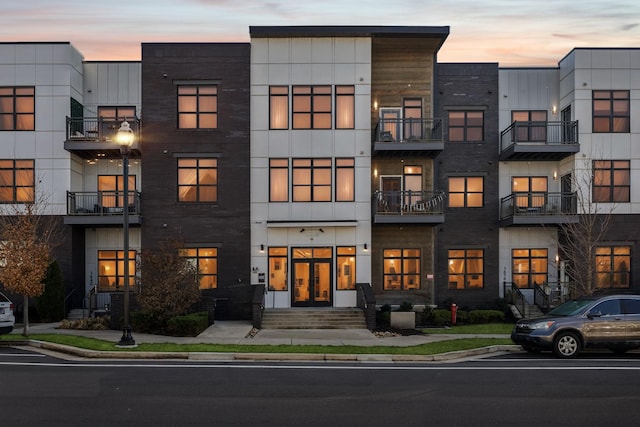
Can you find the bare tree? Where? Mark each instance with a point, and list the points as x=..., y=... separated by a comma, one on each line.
x=579, y=241
x=168, y=282
x=27, y=240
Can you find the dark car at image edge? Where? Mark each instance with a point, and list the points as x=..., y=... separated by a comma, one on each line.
x=611, y=322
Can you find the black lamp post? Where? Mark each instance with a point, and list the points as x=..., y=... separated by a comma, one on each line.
x=124, y=138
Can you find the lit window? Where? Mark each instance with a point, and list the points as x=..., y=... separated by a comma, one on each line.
x=529, y=267
x=466, y=126
x=111, y=270
x=345, y=180
x=466, y=268
x=312, y=107
x=17, y=181
x=530, y=192
x=401, y=269
x=613, y=266
x=611, y=181
x=206, y=261
x=466, y=192
x=346, y=267
x=278, y=107
x=17, y=108
x=198, y=180
x=278, y=269
x=312, y=180
x=345, y=107
x=198, y=107
x=531, y=126
x=611, y=111
x=278, y=180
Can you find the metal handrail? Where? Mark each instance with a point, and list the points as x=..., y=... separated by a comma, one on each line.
x=539, y=203
x=539, y=132
x=540, y=298
x=408, y=202
x=409, y=130
x=92, y=203
x=99, y=129
x=517, y=298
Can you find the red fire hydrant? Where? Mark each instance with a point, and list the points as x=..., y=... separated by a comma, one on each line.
x=454, y=313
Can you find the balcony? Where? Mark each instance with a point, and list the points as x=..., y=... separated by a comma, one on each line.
x=420, y=137
x=408, y=207
x=101, y=208
x=538, y=209
x=539, y=141
x=94, y=137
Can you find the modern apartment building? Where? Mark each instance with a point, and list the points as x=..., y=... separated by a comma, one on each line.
x=313, y=159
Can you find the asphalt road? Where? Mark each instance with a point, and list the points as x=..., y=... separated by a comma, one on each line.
x=599, y=389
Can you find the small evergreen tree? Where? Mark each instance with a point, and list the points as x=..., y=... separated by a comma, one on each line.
x=51, y=303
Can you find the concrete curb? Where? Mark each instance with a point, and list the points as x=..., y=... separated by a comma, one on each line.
x=291, y=357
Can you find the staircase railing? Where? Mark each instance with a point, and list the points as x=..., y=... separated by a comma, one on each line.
x=366, y=300
x=540, y=298
x=257, y=304
x=516, y=298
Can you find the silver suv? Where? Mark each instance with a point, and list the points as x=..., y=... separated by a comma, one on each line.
x=611, y=322
x=7, y=320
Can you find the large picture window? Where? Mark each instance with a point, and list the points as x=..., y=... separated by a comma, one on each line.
x=531, y=126
x=278, y=180
x=401, y=269
x=111, y=189
x=312, y=107
x=198, y=107
x=611, y=181
x=466, y=192
x=466, y=268
x=17, y=108
x=111, y=270
x=311, y=180
x=530, y=192
x=345, y=180
x=279, y=107
x=198, y=180
x=611, y=111
x=466, y=126
x=613, y=266
x=206, y=261
x=529, y=267
x=17, y=181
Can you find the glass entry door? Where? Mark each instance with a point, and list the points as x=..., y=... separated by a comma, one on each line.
x=311, y=277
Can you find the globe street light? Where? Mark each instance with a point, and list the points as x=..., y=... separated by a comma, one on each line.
x=124, y=138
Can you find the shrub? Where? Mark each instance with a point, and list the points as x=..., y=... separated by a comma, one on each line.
x=88, y=323
x=189, y=325
x=441, y=317
x=405, y=306
x=486, y=316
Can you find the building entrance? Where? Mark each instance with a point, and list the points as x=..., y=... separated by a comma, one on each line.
x=311, y=274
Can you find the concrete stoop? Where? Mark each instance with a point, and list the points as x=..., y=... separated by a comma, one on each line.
x=313, y=318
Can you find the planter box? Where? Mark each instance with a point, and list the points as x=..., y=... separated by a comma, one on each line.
x=403, y=319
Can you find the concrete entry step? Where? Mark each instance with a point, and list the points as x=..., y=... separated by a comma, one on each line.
x=313, y=318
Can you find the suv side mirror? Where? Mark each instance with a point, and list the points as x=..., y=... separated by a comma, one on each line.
x=593, y=314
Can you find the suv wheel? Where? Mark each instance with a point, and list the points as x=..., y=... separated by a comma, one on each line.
x=566, y=345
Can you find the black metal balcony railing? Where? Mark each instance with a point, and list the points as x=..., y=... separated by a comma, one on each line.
x=539, y=133
x=408, y=202
x=101, y=203
x=536, y=204
x=99, y=129
x=409, y=130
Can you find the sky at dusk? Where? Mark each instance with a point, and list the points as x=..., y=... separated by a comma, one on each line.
x=510, y=32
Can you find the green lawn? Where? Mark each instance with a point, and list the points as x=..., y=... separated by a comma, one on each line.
x=489, y=328
x=423, y=349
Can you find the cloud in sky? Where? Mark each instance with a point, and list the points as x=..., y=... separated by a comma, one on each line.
x=527, y=32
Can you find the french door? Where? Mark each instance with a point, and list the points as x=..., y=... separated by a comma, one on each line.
x=311, y=277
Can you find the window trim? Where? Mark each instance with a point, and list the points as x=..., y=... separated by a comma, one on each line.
x=611, y=114
x=611, y=187
x=119, y=275
x=197, y=185
x=313, y=167
x=611, y=273
x=15, y=112
x=466, y=193
x=479, y=274
x=197, y=112
x=14, y=188
x=314, y=95
x=400, y=275
x=273, y=97
x=465, y=126
x=184, y=252
x=338, y=181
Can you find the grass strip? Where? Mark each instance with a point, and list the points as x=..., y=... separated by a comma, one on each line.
x=422, y=349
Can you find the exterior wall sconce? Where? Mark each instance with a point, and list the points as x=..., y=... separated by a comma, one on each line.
x=261, y=248
x=555, y=175
x=554, y=109
x=365, y=247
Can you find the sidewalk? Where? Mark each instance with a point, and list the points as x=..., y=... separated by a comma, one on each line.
x=241, y=332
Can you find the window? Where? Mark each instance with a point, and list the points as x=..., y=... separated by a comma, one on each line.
x=111, y=188
x=17, y=108
x=278, y=107
x=198, y=180
x=531, y=126
x=613, y=266
x=198, y=107
x=278, y=180
x=466, y=126
x=611, y=111
x=412, y=110
x=312, y=107
x=401, y=269
x=530, y=192
x=345, y=180
x=466, y=192
x=278, y=269
x=611, y=181
x=466, y=269
x=117, y=113
x=111, y=270
x=529, y=267
x=17, y=181
x=311, y=180
x=346, y=267
x=206, y=261
x=345, y=107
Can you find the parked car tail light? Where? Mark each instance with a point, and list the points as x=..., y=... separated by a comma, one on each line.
x=11, y=306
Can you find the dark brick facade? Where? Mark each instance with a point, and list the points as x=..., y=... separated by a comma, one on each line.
x=459, y=87
x=224, y=224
